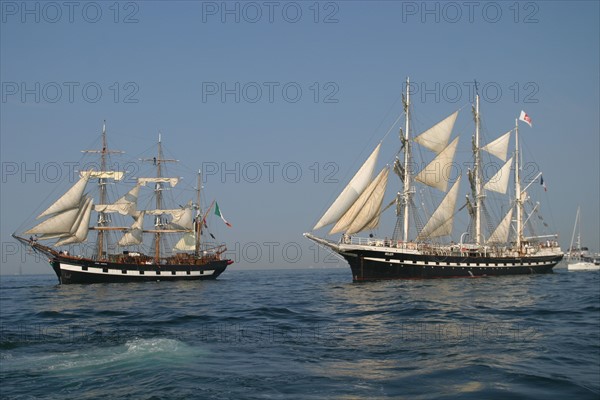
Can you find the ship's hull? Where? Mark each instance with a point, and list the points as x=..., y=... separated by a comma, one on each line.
x=583, y=266
x=70, y=270
x=370, y=265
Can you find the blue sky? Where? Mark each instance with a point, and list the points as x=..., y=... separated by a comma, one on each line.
x=330, y=76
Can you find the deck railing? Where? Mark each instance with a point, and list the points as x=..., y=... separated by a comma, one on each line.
x=453, y=249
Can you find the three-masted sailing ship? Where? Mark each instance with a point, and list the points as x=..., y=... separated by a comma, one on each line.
x=65, y=225
x=423, y=250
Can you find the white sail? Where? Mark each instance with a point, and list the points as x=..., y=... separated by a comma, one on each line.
x=170, y=181
x=351, y=192
x=126, y=205
x=86, y=208
x=437, y=172
x=49, y=236
x=498, y=147
x=115, y=175
x=436, y=138
x=499, y=182
x=58, y=224
x=135, y=235
x=183, y=219
x=356, y=209
x=84, y=226
x=502, y=231
x=80, y=228
x=368, y=216
x=441, y=222
x=71, y=199
x=187, y=242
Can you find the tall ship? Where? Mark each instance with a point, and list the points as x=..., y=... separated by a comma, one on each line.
x=501, y=237
x=164, y=242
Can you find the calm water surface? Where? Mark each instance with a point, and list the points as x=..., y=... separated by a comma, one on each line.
x=307, y=334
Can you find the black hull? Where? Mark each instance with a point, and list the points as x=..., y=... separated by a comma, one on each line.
x=71, y=271
x=374, y=265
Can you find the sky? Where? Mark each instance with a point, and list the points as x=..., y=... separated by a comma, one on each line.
x=280, y=102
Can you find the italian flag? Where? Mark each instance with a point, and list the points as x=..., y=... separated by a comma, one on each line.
x=218, y=213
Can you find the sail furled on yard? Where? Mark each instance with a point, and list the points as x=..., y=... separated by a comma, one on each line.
x=435, y=174
x=498, y=147
x=441, y=222
x=126, y=205
x=364, y=213
x=70, y=200
x=115, y=175
x=170, y=181
x=502, y=231
x=436, y=138
x=499, y=182
x=351, y=192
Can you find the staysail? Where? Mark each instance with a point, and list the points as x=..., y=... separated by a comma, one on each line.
x=70, y=200
x=364, y=213
x=436, y=173
x=441, y=222
x=499, y=182
x=499, y=147
x=79, y=230
x=187, y=242
x=502, y=231
x=436, y=138
x=351, y=192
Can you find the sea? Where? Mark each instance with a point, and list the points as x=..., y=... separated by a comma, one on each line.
x=302, y=334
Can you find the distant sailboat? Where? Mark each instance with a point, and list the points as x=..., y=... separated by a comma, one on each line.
x=66, y=222
x=578, y=258
x=414, y=250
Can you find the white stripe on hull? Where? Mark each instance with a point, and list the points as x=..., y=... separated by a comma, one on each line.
x=129, y=272
x=452, y=265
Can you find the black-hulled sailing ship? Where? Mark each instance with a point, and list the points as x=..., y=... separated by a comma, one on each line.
x=161, y=244
x=425, y=250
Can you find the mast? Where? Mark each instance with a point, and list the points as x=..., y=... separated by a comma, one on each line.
x=406, y=196
x=578, y=232
x=198, y=224
x=518, y=194
x=158, y=187
x=478, y=191
x=576, y=227
x=102, y=187
x=102, y=220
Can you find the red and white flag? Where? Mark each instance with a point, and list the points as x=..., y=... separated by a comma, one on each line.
x=525, y=118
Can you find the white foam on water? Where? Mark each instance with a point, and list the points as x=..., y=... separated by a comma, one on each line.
x=136, y=353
